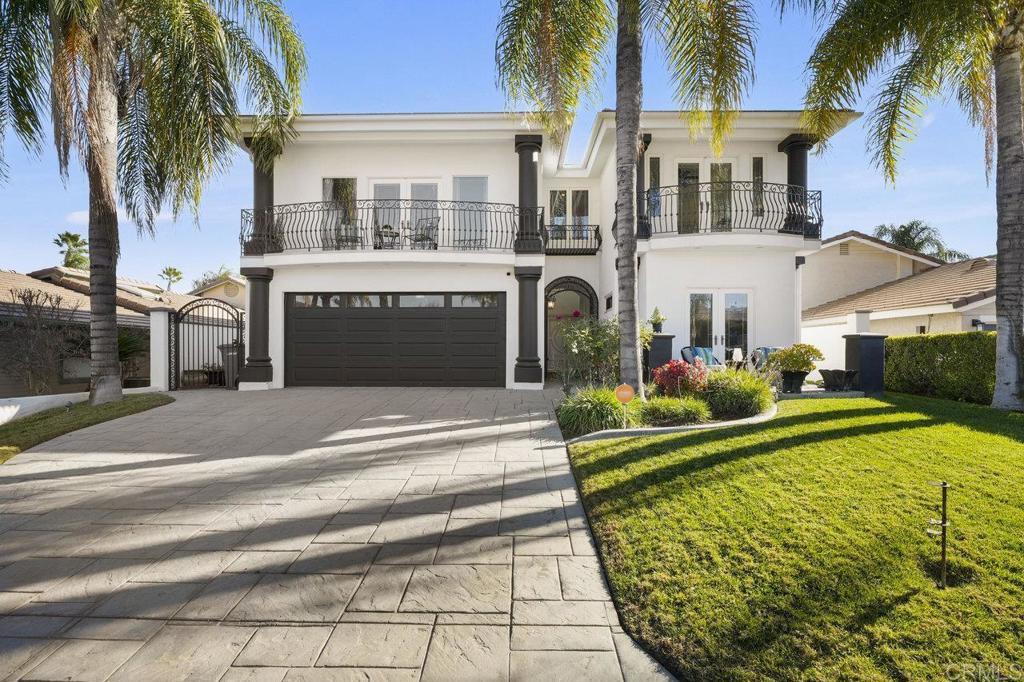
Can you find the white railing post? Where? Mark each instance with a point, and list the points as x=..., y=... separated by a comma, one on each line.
x=159, y=348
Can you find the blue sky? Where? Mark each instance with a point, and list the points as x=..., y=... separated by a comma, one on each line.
x=437, y=55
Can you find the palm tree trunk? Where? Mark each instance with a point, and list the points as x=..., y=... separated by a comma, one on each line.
x=1010, y=232
x=101, y=168
x=628, y=95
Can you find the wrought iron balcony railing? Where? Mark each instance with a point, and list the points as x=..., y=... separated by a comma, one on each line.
x=572, y=240
x=743, y=206
x=399, y=224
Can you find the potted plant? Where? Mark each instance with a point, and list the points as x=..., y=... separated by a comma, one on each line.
x=795, y=363
x=657, y=319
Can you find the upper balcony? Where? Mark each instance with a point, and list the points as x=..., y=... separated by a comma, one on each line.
x=737, y=206
x=405, y=224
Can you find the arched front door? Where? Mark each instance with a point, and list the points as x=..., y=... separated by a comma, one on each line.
x=564, y=298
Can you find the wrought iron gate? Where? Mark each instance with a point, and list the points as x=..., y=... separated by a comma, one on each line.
x=206, y=345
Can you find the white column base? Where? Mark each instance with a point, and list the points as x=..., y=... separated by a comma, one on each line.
x=523, y=386
x=255, y=385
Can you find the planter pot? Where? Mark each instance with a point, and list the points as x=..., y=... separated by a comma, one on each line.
x=656, y=326
x=792, y=382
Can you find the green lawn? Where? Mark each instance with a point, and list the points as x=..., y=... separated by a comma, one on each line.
x=21, y=434
x=796, y=549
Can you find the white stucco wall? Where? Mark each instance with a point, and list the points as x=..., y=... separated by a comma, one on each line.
x=828, y=275
x=767, y=275
x=300, y=170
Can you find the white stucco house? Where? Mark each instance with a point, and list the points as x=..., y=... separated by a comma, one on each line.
x=433, y=249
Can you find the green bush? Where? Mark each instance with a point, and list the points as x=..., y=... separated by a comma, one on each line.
x=593, y=409
x=674, y=411
x=952, y=366
x=735, y=394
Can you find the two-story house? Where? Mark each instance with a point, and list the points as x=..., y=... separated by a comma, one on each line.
x=439, y=249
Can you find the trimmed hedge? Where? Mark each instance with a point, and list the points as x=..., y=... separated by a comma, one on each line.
x=952, y=366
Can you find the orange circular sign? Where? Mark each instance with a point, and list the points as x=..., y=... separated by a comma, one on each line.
x=624, y=393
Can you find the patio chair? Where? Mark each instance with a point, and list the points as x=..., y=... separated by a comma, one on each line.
x=761, y=354
x=424, y=234
x=385, y=237
x=348, y=236
x=702, y=353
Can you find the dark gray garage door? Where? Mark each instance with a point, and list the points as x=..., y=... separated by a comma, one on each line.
x=384, y=339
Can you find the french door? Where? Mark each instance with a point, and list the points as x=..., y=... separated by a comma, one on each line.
x=389, y=213
x=720, y=319
x=704, y=208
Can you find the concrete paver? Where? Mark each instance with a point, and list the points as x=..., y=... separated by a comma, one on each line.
x=308, y=534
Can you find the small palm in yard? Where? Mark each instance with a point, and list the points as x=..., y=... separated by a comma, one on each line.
x=967, y=50
x=73, y=249
x=550, y=55
x=147, y=93
x=919, y=236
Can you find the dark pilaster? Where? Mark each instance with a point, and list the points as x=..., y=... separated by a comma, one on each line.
x=643, y=228
x=529, y=238
x=258, y=366
x=865, y=353
x=528, y=369
x=262, y=205
x=796, y=147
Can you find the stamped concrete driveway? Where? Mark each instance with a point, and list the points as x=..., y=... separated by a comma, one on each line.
x=307, y=534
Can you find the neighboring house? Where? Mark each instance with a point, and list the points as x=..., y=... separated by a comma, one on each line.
x=73, y=373
x=229, y=289
x=132, y=293
x=954, y=297
x=439, y=249
x=854, y=261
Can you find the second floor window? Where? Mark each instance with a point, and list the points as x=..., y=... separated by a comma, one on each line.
x=469, y=188
x=757, y=176
x=580, y=207
x=578, y=217
x=654, y=196
x=341, y=191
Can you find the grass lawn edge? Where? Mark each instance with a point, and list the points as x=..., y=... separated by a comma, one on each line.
x=19, y=435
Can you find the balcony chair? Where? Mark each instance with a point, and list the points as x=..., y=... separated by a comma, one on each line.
x=386, y=237
x=424, y=234
x=348, y=236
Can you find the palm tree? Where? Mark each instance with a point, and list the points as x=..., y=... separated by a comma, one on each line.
x=550, y=56
x=171, y=275
x=919, y=236
x=147, y=93
x=74, y=249
x=968, y=50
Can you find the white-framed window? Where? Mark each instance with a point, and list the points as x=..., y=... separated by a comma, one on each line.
x=469, y=188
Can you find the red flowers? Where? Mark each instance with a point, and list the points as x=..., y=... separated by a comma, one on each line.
x=677, y=377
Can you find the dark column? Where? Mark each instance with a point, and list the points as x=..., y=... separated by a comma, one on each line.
x=528, y=240
x=643, y=228
x=262, y=203
x=865, y=353
x=796, y=147
x=257, y=365
x=528, y=369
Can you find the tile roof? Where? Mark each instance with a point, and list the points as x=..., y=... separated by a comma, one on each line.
x=131, y=293
x=955, y=284
x=70, y=298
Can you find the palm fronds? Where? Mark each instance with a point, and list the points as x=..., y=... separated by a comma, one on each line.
x=550, y=55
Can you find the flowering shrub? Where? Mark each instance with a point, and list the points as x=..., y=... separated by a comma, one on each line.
x=677, y=377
